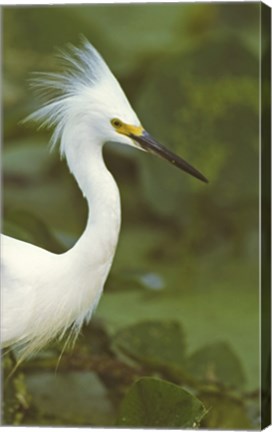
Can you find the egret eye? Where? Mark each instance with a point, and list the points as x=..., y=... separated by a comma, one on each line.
x=116, y=123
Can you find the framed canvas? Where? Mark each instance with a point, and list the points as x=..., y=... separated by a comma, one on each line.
x=163, y=321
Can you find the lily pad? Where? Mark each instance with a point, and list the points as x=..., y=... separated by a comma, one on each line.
x=155, y=403
x=217, y=362
x=154, y=343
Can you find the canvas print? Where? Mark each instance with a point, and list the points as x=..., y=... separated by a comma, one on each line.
x=135, y=260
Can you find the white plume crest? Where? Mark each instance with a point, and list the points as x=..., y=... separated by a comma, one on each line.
x=82, y=69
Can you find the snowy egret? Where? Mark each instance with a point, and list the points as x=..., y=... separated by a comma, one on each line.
x=45, y=294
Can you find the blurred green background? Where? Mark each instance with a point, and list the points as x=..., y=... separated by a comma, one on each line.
x=188, y=252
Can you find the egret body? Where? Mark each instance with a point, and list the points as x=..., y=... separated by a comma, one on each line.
x=45, y=294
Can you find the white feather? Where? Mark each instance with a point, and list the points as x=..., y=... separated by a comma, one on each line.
x=44, y=294
x=86, y=79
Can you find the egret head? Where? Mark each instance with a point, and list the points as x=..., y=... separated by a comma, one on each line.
x=86, y=96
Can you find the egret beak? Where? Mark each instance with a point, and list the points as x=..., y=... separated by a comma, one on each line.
x=148, y=143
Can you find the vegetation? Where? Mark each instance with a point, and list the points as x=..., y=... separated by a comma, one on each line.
x=175, y=339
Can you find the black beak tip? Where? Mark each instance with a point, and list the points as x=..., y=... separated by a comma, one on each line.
x=148, y=143
x=204, y=179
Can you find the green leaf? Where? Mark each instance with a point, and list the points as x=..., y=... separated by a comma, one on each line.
x=217, y=362
x=154, y=343
x=156, y=403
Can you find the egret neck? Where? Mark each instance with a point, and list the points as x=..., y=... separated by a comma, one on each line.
x=84, y=156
